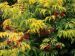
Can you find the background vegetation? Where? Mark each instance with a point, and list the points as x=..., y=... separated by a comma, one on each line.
x=37, y=27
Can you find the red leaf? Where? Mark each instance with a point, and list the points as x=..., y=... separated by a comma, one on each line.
x=26, y=36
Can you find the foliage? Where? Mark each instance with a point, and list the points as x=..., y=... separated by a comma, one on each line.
x=12, y=44
x=37, y=27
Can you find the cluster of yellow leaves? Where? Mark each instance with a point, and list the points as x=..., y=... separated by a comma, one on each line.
x=12, y=36
x=32, y=1
x=15, y=36
x=49, y=18
x=66, y=33
x=3, y=34
x=6, y=23
x=25, y=46
x=10, y=11
x=15, y=51
x=48, y=3
x=60, y=2
x=11, y=52
x=4, y=5
x=35, y=25
x=45, y=3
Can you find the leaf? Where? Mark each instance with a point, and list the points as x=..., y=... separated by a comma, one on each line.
x=60, y=33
